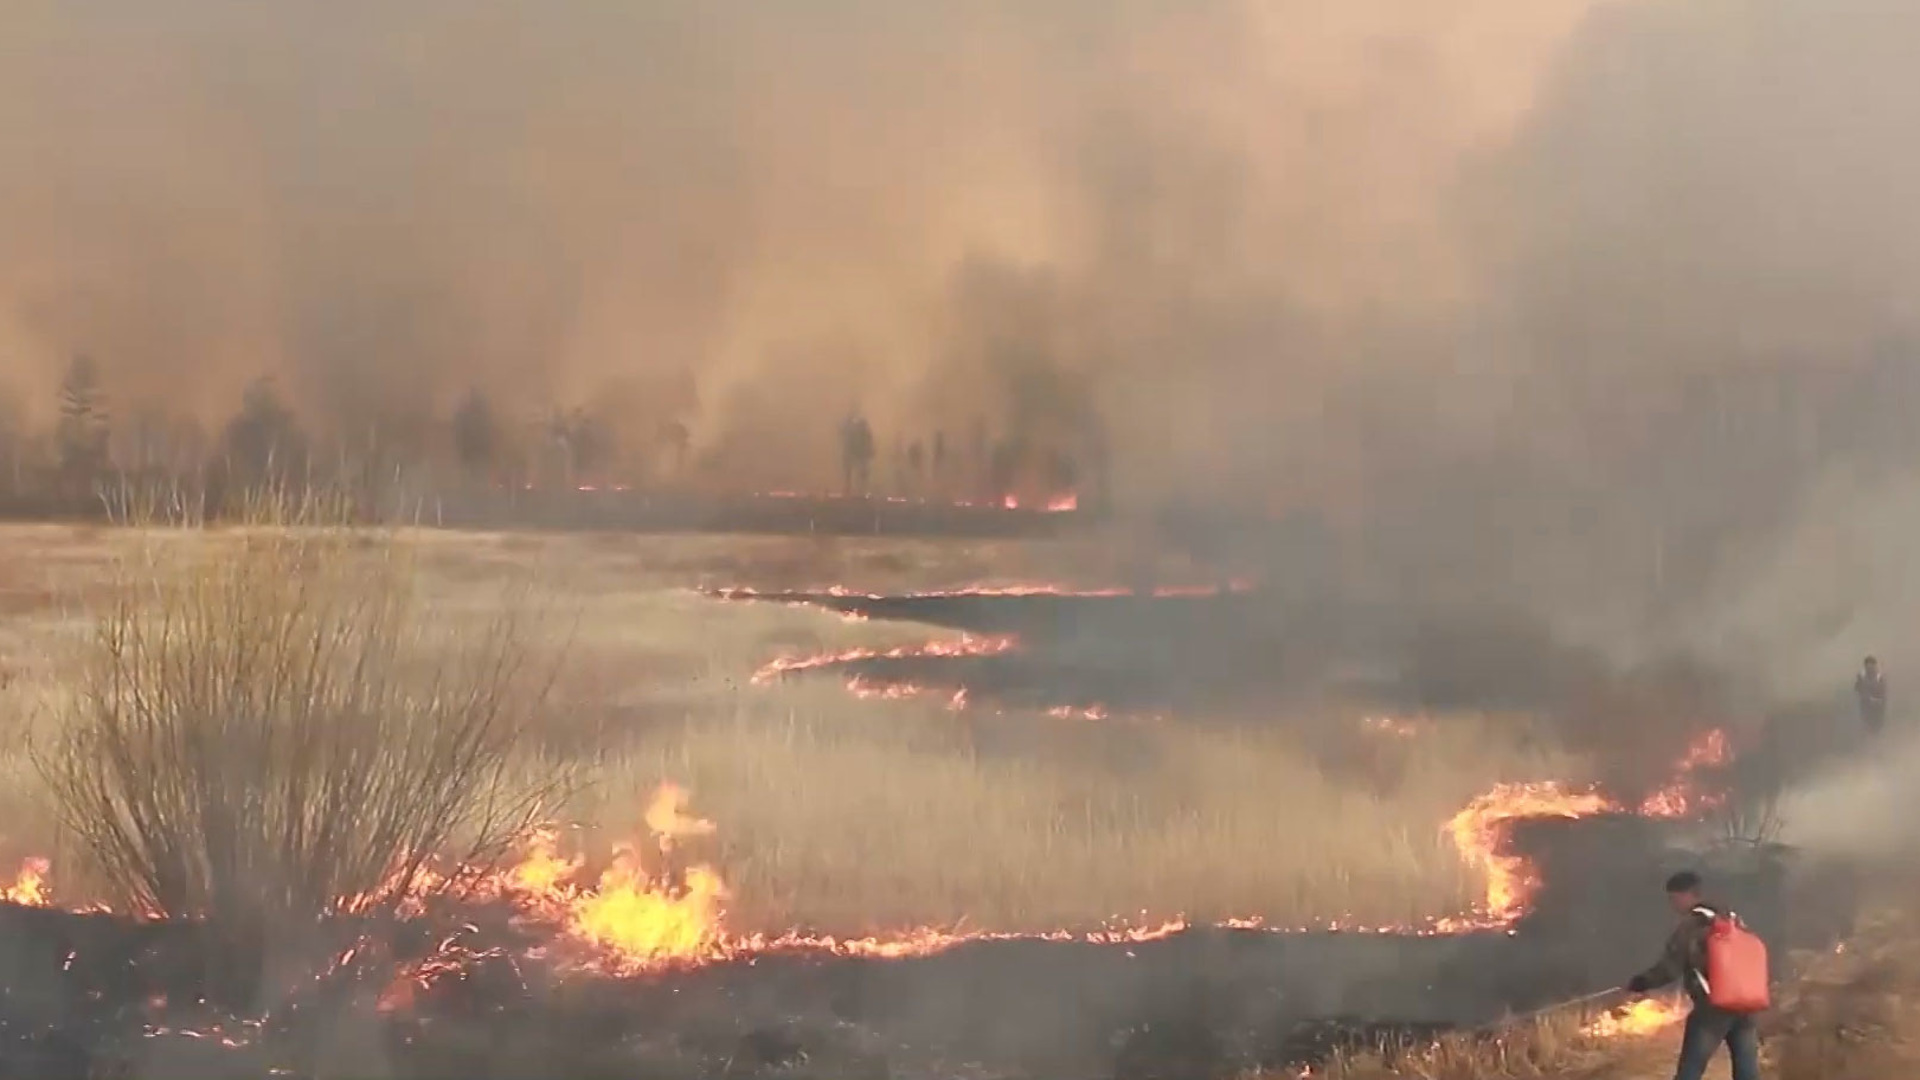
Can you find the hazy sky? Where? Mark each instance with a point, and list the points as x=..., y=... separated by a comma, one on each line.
x=793, y=202
x=1470, y=273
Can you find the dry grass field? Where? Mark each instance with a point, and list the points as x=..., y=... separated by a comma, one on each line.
x=846, y=815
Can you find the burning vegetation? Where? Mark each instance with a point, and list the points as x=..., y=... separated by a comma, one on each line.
x=488, y=886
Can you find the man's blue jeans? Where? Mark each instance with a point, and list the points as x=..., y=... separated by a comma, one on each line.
x=1707, y=1028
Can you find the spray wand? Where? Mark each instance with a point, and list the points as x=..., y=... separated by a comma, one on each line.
x=1521, y=1018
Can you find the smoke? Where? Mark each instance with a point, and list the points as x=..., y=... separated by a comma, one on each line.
x=789, y=204
x=1582, y=305
x=1864, y=809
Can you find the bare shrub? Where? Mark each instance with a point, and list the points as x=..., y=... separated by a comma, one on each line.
x=267, y=723
x=1754, y=782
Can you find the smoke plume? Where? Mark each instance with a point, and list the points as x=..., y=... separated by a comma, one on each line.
x=1596, y=307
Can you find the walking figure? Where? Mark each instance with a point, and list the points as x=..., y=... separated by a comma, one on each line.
x=1870, y=688
x=1724, y=1007
x=856, y=454
x=916, y=466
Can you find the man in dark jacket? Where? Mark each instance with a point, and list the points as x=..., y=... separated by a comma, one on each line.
x=1870, y=687
x=1685, y=961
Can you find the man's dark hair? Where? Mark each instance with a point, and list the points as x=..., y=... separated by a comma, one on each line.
x=1686, y=881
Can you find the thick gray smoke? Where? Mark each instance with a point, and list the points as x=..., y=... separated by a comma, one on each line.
x=1864, y=809
x=1598, y=307
x=1184, y=211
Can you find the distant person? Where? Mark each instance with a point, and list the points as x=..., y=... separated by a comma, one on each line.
x=1722, y=1011
x=1870, y=689
x=677, y=439
x=939, y=455
x=856, y=454
x=916, y=465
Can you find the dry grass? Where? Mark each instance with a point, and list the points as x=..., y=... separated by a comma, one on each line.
x=1853, y=1014
x=263, y=729
x=845, y=815
x=1548, y=1047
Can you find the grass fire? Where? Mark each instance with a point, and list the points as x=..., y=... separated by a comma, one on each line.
x=1224, y=540
x=359, y=732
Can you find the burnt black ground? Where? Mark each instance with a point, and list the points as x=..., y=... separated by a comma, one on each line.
x=1142, y=653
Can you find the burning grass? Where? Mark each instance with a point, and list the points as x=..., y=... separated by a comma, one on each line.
x=851, y=817
x=1559, y=1046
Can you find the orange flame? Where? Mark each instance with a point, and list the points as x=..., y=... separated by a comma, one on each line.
x=1480, y=831
x=968, y=645
x=667, y=817
x=1646, y=1016
x=542, y=872
x=1681, y=798
x=841, y=592
x=638, y=924
x=29, y=887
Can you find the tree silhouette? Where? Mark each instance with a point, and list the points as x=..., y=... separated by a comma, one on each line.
x=81, y=435
x=476, y=435
x=262, y=442
x=584, y=444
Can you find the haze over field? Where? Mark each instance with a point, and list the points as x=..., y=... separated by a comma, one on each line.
x=1579, y=303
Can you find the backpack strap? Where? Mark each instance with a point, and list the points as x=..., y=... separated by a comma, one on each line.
x=1709, y=916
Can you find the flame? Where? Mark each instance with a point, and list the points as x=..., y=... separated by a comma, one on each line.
x=1480, y=831
x=1643, y=1017
x=666, y=816
x=1080, y=712
x=542, y=871
x=1063, y=504
x=641, y=914
x=640, y=924
x=879, y=690
x=1015, y=590
x=1395, y=727
x=968, y=645
x=29, y=888
x=1681, y=797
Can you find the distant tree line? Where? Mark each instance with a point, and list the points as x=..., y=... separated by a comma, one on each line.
x=94, y=450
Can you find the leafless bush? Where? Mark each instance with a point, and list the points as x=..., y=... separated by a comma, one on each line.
x=268, y=724
x=1754, y=781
